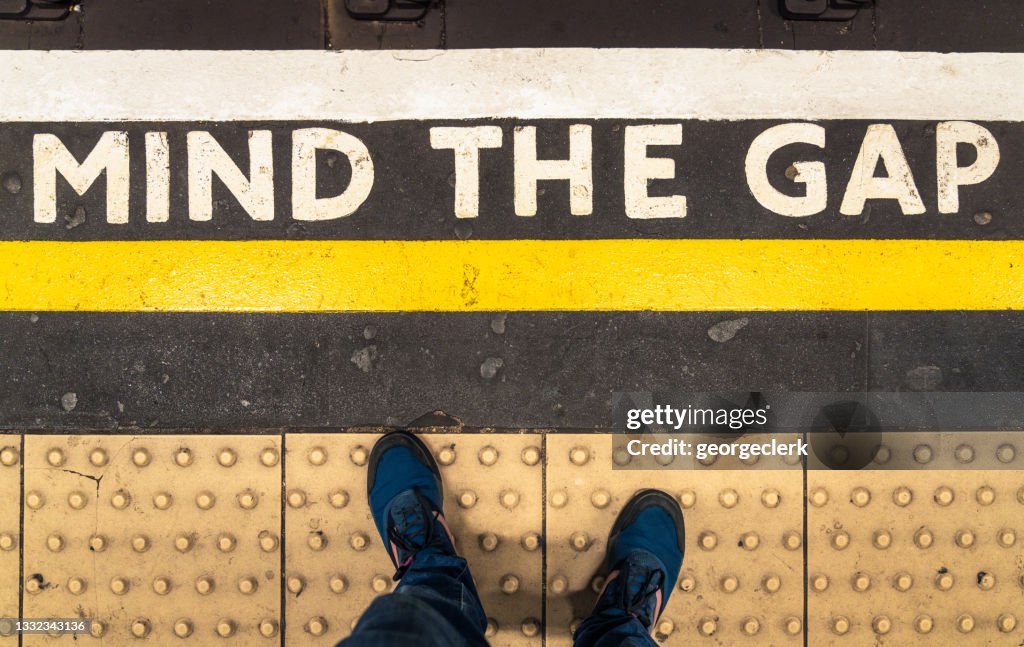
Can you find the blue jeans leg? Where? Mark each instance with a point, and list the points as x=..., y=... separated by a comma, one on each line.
x=612, y=628
x=435, y=605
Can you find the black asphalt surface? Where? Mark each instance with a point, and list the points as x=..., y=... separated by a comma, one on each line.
x=557, y=370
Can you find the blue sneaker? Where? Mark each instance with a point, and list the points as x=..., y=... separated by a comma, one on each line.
x=645, y=553
x=405, y=493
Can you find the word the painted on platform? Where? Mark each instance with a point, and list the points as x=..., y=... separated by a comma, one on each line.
x=880, y=171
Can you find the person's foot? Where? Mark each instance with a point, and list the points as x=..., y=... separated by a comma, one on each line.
x=405, y=493
x=645, y=553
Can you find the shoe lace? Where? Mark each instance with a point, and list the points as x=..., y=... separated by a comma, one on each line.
x=407, y=526
x=638, y=585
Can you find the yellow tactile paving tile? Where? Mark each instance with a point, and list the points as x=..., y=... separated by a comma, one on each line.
x=963, y=450
x=903, y=557
x=164, y=537
x=496, y=483
x=336, y=563
x=10, y=513
x=154, y=537
x=742, y=575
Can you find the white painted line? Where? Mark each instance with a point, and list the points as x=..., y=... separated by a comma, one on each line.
x=368, y=86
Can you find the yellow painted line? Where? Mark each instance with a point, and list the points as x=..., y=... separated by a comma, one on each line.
x=671, y=275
